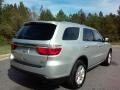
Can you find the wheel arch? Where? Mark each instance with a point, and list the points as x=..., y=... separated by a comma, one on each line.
x=71, y=77
x=110, y=50
x=82, y=58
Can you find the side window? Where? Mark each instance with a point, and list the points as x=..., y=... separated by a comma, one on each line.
x=71, y=33
x=97, y=36
x=88, y=35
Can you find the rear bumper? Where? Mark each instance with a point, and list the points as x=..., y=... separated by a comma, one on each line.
x=50, y=71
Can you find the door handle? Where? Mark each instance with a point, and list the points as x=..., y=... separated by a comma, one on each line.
x=86, y=46
x=99, y=45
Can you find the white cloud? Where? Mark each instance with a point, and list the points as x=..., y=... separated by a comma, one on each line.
x=110, y=5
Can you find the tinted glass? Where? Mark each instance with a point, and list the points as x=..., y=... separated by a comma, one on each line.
x=36, y=31
x=88, y=34
x=71, y=33
x=97, y=36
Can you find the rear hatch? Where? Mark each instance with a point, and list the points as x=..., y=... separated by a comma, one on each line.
x=26, y=41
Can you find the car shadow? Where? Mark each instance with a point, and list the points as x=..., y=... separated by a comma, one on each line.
x=29, y=81
x=114, y=63
x=37, y=83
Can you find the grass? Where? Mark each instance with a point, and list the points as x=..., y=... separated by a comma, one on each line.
x=115, y=43
x=4, y=49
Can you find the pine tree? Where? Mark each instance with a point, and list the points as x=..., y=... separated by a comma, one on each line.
x=1, y=1
x=82, y=16
x=118, y=22
x=46, y=15
x=61, y=16
x=11, y=22
x=100, y=14
x=118, y=11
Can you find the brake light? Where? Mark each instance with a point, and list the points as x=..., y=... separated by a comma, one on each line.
x=48, y=51
x=13, y=46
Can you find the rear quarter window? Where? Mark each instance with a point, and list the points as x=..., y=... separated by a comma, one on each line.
x=71, y=33
x=36, y=31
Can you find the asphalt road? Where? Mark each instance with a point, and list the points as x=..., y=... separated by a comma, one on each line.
x=99, y=78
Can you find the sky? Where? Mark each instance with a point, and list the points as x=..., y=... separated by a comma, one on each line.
x=72, y=6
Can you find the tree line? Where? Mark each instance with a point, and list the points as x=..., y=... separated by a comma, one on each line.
x=12, y=16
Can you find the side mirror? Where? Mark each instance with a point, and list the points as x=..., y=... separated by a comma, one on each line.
x=106, y=39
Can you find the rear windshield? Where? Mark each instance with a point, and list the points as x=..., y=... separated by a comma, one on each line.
x=36, y=31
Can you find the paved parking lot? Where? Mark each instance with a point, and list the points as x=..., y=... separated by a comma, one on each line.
x=99, y=78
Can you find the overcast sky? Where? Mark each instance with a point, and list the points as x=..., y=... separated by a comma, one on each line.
x=72, y=6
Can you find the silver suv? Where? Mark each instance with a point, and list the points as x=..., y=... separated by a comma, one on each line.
x=59, y=49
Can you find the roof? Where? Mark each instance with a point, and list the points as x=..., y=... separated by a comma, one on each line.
x=62, y=22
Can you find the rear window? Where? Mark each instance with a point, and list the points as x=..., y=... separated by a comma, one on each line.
x=36, y=31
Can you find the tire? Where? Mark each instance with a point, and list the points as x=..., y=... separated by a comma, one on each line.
x=108, y=59
x=74, y=81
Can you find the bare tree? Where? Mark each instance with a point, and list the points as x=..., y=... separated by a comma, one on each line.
x=33, y=14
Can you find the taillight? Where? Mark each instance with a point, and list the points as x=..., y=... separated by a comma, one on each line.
x=13, y=46
x=48, y=51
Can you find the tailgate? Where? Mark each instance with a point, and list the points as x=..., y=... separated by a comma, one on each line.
x=26, y=51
